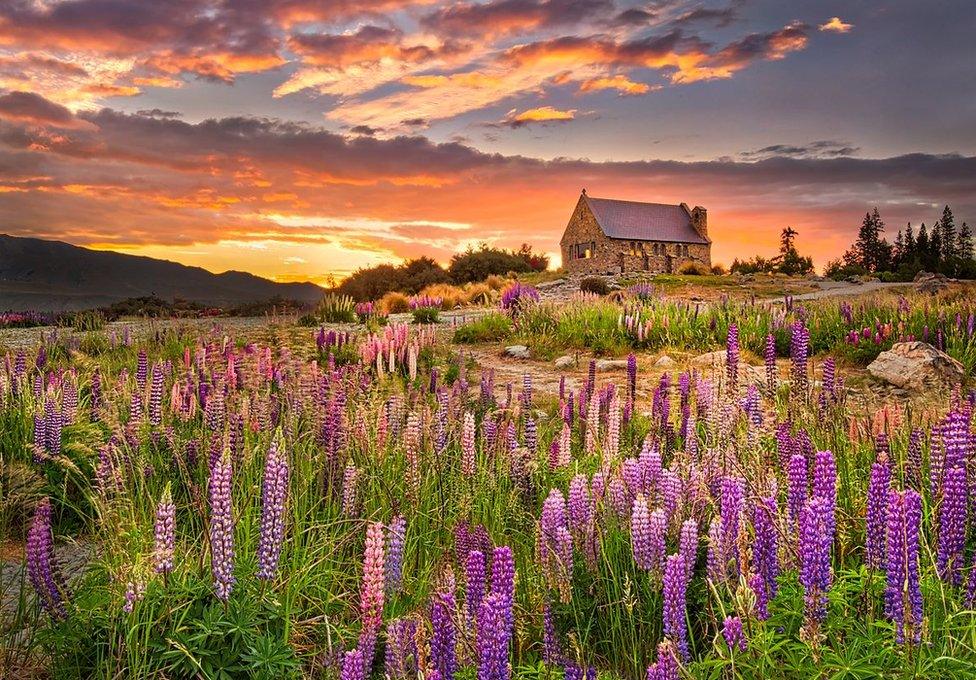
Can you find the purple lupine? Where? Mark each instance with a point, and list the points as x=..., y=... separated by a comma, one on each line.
x=732, y=358
x=717, y=567
x=913, y=463
x=350, y=480
x=879, y=487
x=733, y=501
x=631, y=377
x=551, y=649
x=688, y=545
x=675, y=588
x=503, y=581
x=952, y=525
x=393, y=571
x=494, y=638
x=797, y=486
x=156, y=396
x=647, y=536
x=274, y=492
x=556, y=543
x=443, y=656
x=222, y=526
x=582, y=516
x=401, y=649
x=770, y=360
x=825, y=482
x=142, y=369
x=666, y=666
x=816, y=539
x=799, y=351
x=903, y=595
x=764, y=549
x=830, y=377
x=353, y=667
x=42, y=566
x=732, y=632
x=164, y=533
x=474, y=581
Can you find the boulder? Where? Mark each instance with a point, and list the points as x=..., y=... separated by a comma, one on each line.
x=917, y=367
x=604, y=365
x=665, y=362
x=517, y=352
x=928, y=282
x=564, y=361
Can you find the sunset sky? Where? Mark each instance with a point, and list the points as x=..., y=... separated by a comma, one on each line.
x=299, y=138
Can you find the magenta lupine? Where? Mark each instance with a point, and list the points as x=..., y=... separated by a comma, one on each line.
x=952, y=525
x=903, y=595
x=675, y=588
x=274, y=492
x=42, y=566
x=164, y=533
x=443, y=655
x=353, y=667
x=222, y=526
x=879, y=487
x=732, y=632
x=816, y=539
x=493, y=639
x=769, y=357
x=371, y=594
x=631, y=377
x=475, y=579
x=393, y=571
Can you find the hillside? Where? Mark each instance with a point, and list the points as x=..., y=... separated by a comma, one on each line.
x=55, y=276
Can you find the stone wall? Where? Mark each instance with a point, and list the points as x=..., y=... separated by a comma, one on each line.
x=612, y=255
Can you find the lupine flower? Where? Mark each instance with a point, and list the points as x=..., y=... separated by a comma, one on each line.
x=393, y=571
x=556, y=543
x=764, y=550
x=733, y=495
x=503, y=581
x=371, y=593
x=222, y=526
x=816, y=539
x=274, y=491
x=647, y=535
x=877, y=507
x=797, y=481
x=769, y=357
x=799, y=351
x=825, y=482
x=401, y=649
x=688, y=545
x=350, y=480
x=732, y=632
x=475, y=581
x=666, y=666
x=467, y=444
x=551, y=650
x=443, y=656
x=163, y=532
x=732, y=358
x=42, y=566
x=903, y=595
x=493, y=639
x=675, y=586
x=952, y=525
x=353, y=667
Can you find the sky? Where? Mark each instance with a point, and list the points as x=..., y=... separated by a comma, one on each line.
x=298, y=139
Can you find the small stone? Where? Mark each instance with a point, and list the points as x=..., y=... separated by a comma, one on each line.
x=564, y=361
x=665, y=362
x=604, y=365
x=517, y=351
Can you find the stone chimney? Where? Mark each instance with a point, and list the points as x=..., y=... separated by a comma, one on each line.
x=699, y=220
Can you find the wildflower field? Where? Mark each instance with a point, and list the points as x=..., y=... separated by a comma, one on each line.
x=367, y=502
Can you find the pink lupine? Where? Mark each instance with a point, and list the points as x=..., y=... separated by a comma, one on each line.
x=467, y=444
x=164, y=539
x=371, y=592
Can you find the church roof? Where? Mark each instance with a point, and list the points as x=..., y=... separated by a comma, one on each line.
x=635, y=221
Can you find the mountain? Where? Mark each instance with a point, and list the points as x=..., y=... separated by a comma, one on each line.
x=53, y=276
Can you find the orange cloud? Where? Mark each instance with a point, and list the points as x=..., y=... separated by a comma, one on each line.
x=835, y=25
x=618, y=82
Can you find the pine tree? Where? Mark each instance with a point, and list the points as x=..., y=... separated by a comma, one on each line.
x=922, y=245
x=947, y=235
x=934, y=262
x=898, y=256
x=910, y=246
x=964, y=242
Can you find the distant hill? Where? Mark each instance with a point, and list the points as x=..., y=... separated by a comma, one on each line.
x=53, y=276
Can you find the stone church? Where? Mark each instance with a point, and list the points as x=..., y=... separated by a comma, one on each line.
x=607, y=236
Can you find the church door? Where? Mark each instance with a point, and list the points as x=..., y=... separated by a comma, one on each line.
x=669, y=264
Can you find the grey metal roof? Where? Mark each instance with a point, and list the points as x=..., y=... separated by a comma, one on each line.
x=635, y=221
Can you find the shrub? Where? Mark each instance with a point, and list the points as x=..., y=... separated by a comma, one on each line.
x=479, y=293
x=336, y=309
x=450, y=296
x=719, y=270
x=497, y=282
x=489, y=328
x=394, y=303
x=478, y=265
x=594, y=284
x=693, y=269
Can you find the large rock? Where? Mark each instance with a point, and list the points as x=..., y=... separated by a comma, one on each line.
x=928, y=282
x=517, y=351
x=917, y=366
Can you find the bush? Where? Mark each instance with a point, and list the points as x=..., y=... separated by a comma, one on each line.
x=489, y=328
x=595, y=285
x=719, y=270
x=693, y=269
x=394, y=303
x=336, y=309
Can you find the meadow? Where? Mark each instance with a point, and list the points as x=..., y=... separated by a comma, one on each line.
x=364, y=501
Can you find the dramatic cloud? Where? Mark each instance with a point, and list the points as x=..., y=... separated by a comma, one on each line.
x=835, y=25
x=541, y=114
x=620, y=83
x=165, y=187
x=819, y=149
x=502, y=17
x=32, y=108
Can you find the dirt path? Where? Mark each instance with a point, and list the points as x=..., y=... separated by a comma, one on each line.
x=842, y=289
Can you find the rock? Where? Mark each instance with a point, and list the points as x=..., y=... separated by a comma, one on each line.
x=550, y=284
x=665, y=362
x=564, y=361
x=928, y=282
x=517, y=351
x=603, y=365
x=715, y=359
x=917, y=367
x=853, y=279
